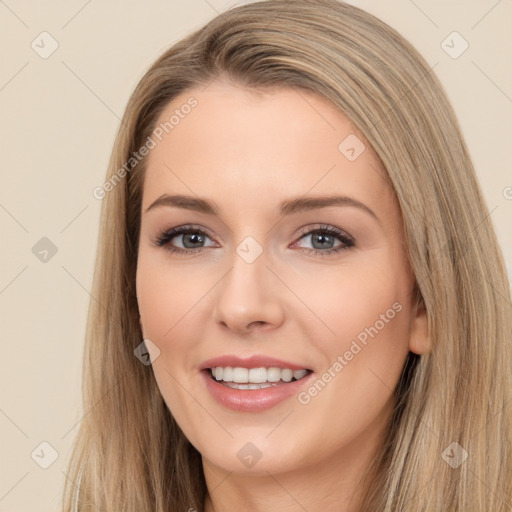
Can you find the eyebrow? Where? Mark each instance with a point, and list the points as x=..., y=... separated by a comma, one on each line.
x=288, y=207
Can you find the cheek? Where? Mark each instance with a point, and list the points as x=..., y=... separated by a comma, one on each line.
x=356, y=300
x=369, y=308
x=166, y=304
x=363, y=360
x=166, y=301
x=165, y=298
x=368, y=314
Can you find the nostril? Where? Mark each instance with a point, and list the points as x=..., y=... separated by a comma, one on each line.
x=258, y=322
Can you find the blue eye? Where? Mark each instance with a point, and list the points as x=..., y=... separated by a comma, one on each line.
x=326, y=235
x=193, y=239
x=189, y=235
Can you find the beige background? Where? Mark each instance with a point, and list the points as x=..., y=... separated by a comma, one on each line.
x=59, y=116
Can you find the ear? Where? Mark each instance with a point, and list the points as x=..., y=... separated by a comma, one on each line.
x=419, y=341
x=141, y=326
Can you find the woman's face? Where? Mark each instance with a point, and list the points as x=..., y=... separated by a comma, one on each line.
x=300, y=267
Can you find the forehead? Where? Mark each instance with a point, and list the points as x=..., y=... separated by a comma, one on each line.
x=256, y=148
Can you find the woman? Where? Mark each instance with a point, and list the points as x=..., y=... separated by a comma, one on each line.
x=292, y=224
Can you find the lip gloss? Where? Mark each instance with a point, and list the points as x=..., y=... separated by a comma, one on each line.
x=252, y=400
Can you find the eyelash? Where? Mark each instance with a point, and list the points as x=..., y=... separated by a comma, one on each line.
x=165, y=237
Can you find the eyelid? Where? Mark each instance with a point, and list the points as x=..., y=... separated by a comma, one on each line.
x=308, y=230
x=180, y=230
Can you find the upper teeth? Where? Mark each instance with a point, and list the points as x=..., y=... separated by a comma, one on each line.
x=256, y=375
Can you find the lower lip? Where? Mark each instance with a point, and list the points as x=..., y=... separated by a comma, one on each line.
x=252, y=400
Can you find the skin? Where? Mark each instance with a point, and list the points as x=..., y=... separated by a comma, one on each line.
x=247, y=153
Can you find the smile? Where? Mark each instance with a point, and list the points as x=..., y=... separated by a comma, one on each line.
x=255, y=378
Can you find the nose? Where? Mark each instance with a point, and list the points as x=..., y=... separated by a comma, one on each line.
x=249, y=297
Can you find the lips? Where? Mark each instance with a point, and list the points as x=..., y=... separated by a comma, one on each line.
x=255, y=361
x=254, y=383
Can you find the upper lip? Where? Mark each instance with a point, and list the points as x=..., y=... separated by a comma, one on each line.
x=254, y=361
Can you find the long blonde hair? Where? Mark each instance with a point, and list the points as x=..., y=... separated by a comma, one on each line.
x=129, y=452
